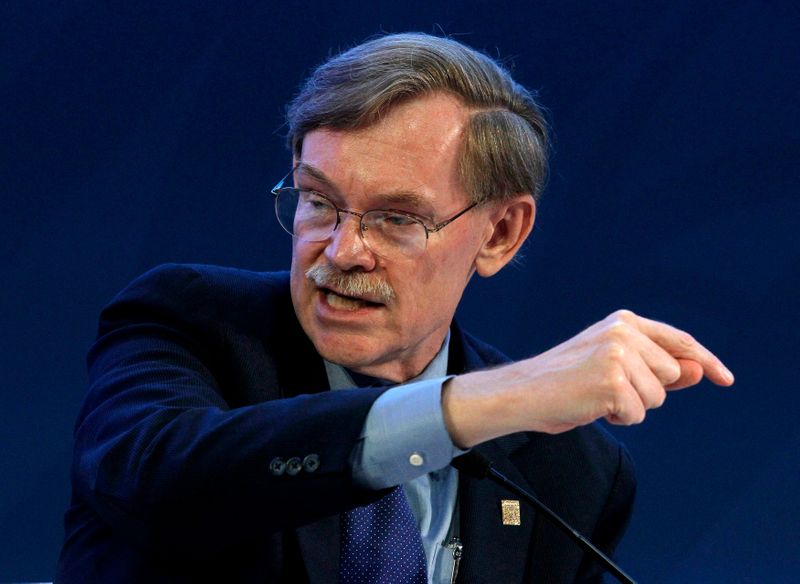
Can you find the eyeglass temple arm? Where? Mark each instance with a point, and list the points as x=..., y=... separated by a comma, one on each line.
x=279, y=186
x=447, y=222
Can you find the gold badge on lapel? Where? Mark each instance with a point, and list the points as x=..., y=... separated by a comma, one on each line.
x=510, y=511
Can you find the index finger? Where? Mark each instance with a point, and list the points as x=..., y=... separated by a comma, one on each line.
x=682, y=345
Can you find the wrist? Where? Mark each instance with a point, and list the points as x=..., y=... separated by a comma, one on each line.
x=477, y=407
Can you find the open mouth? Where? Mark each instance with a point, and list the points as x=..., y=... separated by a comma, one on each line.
x=341, y=302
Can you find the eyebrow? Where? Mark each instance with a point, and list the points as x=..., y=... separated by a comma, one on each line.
x=314, y=173
x=400, y=197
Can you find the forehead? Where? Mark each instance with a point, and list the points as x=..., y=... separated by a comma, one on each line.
x=414, y=148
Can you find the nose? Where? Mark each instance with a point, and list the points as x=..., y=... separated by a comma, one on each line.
x=346, y=249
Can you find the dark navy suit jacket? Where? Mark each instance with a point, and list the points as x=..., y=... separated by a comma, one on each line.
x=201, y=376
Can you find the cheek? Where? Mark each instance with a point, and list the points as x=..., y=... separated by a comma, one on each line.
x=301, y=288
x=433, y=291
x=442, y=282
x=297, y=272
x=303, y=257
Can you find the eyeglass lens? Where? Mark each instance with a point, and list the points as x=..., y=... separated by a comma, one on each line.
x=311, y=217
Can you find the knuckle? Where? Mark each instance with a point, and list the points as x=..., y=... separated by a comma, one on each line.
x=638, y=416
x=673, y=372
x=616, y=382
x=686, y=339
x=612, y=350
x=613, y=406
x=628, y=416
x=617, y=329
x=623, y=315
x=655, y=399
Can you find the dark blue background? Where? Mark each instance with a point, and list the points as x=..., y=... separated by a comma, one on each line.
x=133, y=136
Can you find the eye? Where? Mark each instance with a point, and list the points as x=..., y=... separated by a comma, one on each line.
x=399, y=220
x=390, y=220
x=314, y=200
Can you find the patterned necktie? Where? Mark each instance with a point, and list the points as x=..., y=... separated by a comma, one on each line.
x=381, y=544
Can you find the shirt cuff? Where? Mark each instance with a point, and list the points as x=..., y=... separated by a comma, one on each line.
x=404, y=436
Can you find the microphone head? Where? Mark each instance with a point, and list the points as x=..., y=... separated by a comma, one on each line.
x=473, y=463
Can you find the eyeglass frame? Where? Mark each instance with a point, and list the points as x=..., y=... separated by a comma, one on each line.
x=276, y=190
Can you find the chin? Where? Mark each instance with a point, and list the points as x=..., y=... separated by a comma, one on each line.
x=349, y=350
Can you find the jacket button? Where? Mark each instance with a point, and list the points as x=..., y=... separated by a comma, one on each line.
x=293, y=466
x=277, y=466
x=311, y=462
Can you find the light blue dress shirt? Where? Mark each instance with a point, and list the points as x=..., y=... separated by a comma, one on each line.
x=404, y=441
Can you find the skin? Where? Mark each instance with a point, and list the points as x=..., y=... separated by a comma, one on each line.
x=408, y=161
x=616, y=369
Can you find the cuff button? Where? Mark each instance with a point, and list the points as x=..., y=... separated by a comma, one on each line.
x=311, y=462
x=293, y=466
x=416, y=459
x=277, y=466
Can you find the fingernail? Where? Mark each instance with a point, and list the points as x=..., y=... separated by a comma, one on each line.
x=727, y=375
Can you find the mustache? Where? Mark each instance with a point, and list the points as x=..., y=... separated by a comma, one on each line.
x=357, y=284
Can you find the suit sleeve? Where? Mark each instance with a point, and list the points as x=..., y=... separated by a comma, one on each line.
x=163, y=457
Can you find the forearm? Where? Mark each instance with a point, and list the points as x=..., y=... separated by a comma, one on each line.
x=473, y=410
x=158, y=448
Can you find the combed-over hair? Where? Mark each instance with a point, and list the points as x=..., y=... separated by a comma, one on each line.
x=505, y=147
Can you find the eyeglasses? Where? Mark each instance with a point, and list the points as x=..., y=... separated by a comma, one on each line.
x=311, y=216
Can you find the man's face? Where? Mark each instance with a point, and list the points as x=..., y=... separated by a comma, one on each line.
x=407, y=161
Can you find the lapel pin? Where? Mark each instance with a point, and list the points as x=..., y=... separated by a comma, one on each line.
x=510, y=511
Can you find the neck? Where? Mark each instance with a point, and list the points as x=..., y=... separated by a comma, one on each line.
x=402, y=371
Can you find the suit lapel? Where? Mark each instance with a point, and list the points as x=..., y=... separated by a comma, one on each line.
x=299, y=368
x=319, y=547
x=493, y=552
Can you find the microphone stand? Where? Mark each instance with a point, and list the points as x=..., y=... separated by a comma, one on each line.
x=476, y=465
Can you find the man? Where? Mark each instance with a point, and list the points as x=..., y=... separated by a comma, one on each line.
x=210, y=448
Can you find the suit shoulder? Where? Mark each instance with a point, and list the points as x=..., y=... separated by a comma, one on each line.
x=195, y=292
x=203, y=279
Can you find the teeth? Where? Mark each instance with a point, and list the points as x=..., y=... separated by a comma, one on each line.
x=343, y=303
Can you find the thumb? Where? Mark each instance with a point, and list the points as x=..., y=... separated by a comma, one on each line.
x=691, y=374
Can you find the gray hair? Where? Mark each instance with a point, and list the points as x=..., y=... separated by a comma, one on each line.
x=506, y=143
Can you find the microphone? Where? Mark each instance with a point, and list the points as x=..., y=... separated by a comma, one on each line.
x=476, y=465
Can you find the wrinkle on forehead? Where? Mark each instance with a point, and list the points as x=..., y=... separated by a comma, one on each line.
x=435, y=122
x=416, y=146
x=398, y=196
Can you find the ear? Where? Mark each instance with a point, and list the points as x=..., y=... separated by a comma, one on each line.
x=511, y=222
